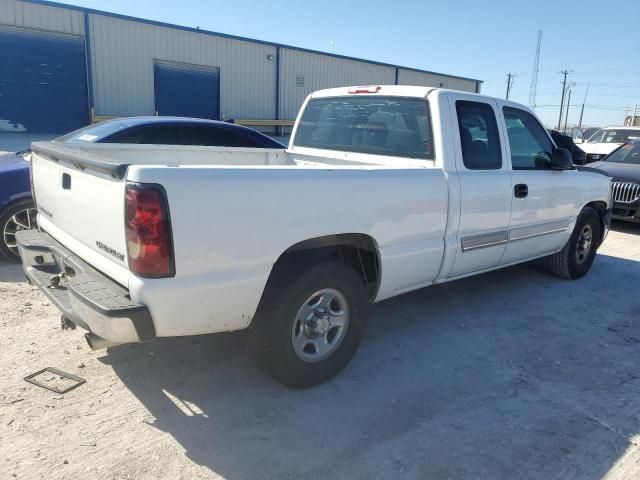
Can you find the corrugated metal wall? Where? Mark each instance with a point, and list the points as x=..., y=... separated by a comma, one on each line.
x=123, y=53
x=303, y=72
x=43, y=81
x=21, y=14
x=412, y=77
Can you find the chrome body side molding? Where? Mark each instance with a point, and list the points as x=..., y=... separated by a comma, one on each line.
x=485, y=240
x=538, y=230
x=499, y=238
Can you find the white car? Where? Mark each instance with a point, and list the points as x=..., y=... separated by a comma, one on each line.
x=606, y=140
x=383, y=190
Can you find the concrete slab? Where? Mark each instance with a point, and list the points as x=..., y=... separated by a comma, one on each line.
x=514, y=374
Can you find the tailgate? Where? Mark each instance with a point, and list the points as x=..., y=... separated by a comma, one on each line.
x=80, y=199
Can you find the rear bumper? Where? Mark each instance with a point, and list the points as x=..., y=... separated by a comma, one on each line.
x=88, y=298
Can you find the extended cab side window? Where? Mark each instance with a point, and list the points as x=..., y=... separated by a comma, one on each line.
x=478, y=136
x=531, y=147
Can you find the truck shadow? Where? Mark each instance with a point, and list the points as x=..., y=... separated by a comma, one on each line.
x=509, y=374
x=625, y=227
x=11, y=272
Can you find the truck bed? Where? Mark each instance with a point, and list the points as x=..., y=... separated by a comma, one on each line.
x=233, y=213
x=114, y=159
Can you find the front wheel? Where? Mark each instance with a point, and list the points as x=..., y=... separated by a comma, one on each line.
x=577, y=256
x=309, y=323
x=20, y=215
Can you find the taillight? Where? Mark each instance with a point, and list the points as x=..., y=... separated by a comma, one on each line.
x=148, y=230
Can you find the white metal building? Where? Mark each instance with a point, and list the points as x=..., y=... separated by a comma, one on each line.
x=76, y=64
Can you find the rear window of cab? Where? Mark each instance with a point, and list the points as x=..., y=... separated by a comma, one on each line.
x=378, y=125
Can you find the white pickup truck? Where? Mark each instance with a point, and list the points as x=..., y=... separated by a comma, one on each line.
x=383, y=190
x=606, y=140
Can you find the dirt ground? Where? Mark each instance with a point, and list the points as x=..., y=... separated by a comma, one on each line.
x=512, y=374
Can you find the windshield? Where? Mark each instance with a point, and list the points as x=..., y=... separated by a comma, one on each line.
x=94, y=133
x=627, y=153
x=391, y=126
x=614, y=136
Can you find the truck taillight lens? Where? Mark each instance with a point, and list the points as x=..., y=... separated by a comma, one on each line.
x=148, y=230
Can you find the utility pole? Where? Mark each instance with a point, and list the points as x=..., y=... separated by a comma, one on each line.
x=510, y=77
x=564, y=88
x=583, y=102
x=566, y=115
x=633, y=117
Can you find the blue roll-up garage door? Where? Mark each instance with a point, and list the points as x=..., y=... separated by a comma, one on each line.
x=186, y=90
x=43, y=81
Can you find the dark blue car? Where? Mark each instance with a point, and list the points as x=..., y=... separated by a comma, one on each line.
x=17, y=210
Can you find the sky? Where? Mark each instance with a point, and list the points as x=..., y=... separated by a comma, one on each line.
x=598, y=42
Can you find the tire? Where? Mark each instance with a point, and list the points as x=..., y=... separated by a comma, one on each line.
x=296, y=338
x=20, y=215
x=576, y=258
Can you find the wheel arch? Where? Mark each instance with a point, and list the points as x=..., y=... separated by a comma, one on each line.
x=601, y=209
x=357, y=250
x=8, y=202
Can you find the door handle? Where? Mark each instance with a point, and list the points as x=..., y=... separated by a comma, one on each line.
x=521, y=190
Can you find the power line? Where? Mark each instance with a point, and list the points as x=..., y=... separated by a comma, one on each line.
x=596, y=107
x=607, y=56
x=615, y=95
x=607, y=70
x=616, y=85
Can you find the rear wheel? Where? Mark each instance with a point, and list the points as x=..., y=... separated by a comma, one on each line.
x=309, y=323
x=20, y=215
x=577, y=256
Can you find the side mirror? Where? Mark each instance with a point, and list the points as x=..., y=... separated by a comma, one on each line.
x=561, y=159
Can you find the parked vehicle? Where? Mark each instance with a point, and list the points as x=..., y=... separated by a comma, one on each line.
x=606, y=140
x=578, y=157
x=383, y=190
x=17, y=210
x=623, y=165
x=170, y=131
x=580, y=134
x=589, y=132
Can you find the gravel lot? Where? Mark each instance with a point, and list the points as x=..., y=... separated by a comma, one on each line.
x=513, y=374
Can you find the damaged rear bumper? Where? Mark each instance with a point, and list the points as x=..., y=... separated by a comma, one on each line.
x=84, y=295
